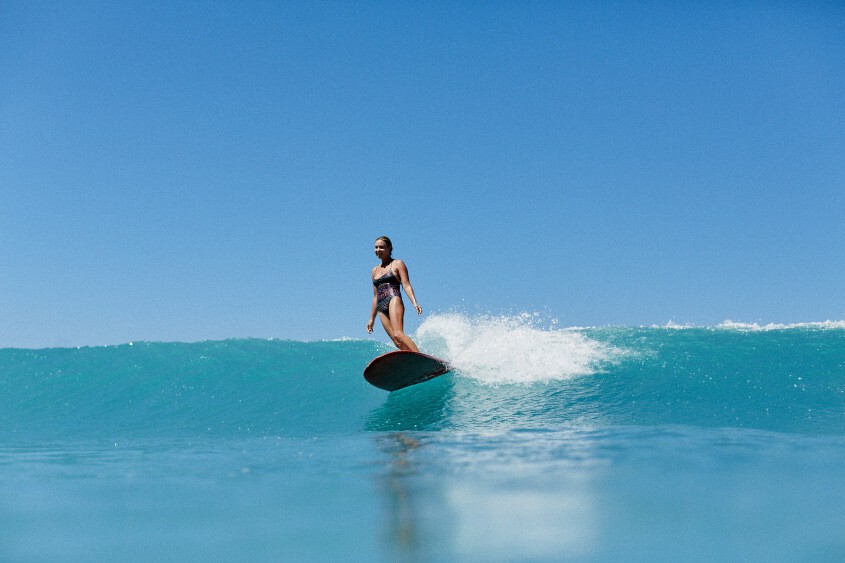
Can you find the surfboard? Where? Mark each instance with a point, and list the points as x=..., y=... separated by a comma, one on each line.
x=401, y=368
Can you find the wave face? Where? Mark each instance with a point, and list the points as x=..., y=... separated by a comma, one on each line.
x=510, y=373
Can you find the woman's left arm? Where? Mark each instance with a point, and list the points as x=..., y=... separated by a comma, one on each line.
x=402, y=270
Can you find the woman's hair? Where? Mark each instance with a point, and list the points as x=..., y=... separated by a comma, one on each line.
x=386, y=241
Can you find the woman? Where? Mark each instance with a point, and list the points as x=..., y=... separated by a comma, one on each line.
x=387, y=300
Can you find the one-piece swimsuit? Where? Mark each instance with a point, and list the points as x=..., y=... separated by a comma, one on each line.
x=387, y=287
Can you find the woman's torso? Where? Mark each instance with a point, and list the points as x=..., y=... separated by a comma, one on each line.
x=387, y=284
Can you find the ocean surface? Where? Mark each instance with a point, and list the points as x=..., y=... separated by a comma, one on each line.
x=545, y=444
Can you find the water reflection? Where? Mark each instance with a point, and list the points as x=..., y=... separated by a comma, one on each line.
x=525, y=495
x=401, y=518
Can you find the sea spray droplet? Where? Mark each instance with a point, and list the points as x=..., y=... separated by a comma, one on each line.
x=511, y=349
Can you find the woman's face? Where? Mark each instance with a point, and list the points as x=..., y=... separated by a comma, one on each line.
x=382, y=250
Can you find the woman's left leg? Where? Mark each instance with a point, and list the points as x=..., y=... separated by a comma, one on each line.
x=397, y=321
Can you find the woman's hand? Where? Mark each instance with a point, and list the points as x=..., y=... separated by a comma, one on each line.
x=418, y=308
x=370, y=326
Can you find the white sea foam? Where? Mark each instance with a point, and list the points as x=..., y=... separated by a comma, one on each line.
x=511, y=349
x=823, y=325
x=673, y=325
x=754, y=327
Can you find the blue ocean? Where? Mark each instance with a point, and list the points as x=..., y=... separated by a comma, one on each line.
x=546, y=443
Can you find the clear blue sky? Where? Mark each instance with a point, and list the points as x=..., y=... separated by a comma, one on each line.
x=203, y=170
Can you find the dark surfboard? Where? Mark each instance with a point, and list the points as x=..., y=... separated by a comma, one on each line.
x=399, y=369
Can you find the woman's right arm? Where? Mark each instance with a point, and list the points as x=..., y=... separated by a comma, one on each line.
x=372, y=313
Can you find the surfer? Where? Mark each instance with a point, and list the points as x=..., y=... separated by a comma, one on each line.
x=387, y=300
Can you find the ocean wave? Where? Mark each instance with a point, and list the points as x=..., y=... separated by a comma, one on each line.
x=510, y=372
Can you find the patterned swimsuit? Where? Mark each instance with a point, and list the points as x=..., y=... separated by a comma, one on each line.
x=387, y=287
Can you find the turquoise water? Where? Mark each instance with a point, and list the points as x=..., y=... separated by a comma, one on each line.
x=611, y=443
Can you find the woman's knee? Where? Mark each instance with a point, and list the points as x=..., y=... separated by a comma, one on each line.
x=398, y=336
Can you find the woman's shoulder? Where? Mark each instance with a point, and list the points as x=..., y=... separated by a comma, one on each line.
x=400, y=268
